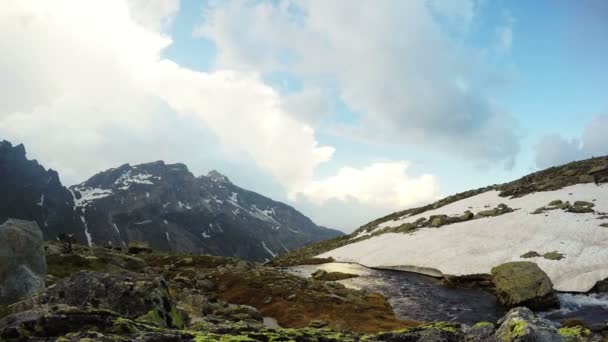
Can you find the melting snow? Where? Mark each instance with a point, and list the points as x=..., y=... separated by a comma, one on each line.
x=182, y=205
x=88, y=195
x=128, y=178
x=474, y=247
x=143, y=222
x=234, y=197
x=41, y=202
x=268, y=249
x=205, y=235
x=168, y=237
x=86, y=231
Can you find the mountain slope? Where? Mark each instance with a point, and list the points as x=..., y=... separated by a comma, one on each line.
x=28, y=191
x=167, y=206
x=558, y=213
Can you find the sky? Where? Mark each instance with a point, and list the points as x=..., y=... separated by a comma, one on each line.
x=347, y=110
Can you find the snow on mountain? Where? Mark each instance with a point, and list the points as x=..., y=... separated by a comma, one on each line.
x=166, y=206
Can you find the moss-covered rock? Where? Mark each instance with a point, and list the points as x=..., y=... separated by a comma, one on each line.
x=521, y=325
x=553, y=256
x=131, y=296
x=528, y=255
x=523, y=283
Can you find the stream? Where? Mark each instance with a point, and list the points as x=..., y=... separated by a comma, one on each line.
x=420, y=297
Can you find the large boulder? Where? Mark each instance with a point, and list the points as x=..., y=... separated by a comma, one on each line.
x=523, y=283
x=144, y=298
x=22, y=260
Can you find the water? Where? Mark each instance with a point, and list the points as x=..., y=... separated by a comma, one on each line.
x=590, y=308
x=419, y=297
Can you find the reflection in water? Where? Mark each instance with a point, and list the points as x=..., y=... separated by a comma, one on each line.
x=419, y=297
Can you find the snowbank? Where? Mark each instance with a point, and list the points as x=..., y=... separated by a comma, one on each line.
x=474, y=247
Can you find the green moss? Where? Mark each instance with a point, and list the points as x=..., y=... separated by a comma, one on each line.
x=577, y=333
x=63, y=266
x=519, y=328
x=152, y=317
x=124, y=326
x=483, y=324
x=176, y=318
x=553, y=256
x=444, y=326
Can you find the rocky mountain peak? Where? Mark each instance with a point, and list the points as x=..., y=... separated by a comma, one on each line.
x=217, y=177
x=8, y=152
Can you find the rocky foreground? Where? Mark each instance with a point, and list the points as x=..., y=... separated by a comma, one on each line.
x=100, y=294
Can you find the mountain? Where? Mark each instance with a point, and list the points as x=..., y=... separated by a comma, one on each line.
x=162, y=204
x=556, y=218
x=167, y=206
x=29, y=191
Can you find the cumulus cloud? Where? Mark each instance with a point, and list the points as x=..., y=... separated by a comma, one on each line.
x=391, y=61
x=554, y=149
x=85, y=95
x=384, y=185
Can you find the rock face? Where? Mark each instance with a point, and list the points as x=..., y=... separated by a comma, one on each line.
x=29, y=192
x=168, y=207
x=523, y=283
x=22, y=260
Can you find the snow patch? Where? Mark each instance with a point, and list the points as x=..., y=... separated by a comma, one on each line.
x=234, y=197
x=268, y=249
x=41, y=202
x=128, y=178
x=140, y=223
x=88, y=195
x=474, y=247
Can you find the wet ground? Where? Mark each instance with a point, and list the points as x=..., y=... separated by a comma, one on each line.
x=419, y=297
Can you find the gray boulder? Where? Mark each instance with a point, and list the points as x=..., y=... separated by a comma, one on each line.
x=523, y=283
x=22, y=260
x=520, y=325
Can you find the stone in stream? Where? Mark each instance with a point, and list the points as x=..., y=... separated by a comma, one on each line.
x=22, y=260
x=523, y=283
x=520, y=324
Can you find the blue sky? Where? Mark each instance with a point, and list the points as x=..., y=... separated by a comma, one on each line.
x=556, y=83
x=347, y=110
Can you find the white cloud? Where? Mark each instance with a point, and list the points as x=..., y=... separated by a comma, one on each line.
x=85, y=88
x=391, y=61
x=383, y=185
x=554, y=150
x=154, y=14
x=78, y=85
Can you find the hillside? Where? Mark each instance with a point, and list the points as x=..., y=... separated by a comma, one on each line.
x=555, y=217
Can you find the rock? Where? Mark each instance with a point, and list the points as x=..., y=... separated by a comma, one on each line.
x=468, y=215
x=523, y=283
x=141, y=297
x=205, y=285
x=520, y=324
x=22, y=260
x=581, y=207
x=437, y=221
x=331, y=276
x=139, y=247
x=318, y=324
x=528, y=255
x=480, y=332
x=553, y=256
